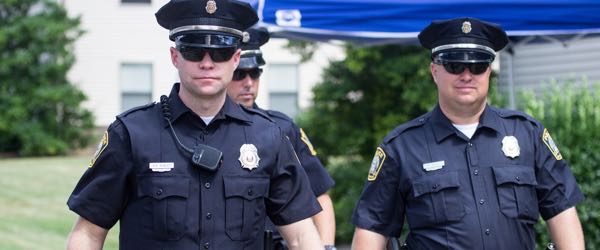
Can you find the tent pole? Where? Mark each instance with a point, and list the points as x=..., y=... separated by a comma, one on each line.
x=511, y=81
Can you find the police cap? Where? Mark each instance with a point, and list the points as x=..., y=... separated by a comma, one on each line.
x=251, y=54
x=206, y=23
x=464, y=39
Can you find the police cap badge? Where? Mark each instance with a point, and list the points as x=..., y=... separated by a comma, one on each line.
x=202, y=18
x=465, y=39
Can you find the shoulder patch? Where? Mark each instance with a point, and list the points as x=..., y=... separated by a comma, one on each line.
x=256, y=111
x=376, y=164
x=101, y=146
x=306, y=141
x=551, y=145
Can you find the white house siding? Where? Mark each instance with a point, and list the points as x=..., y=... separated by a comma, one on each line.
x=309, y=73
x=117, y=33
x=534, y=64
x=128, y=33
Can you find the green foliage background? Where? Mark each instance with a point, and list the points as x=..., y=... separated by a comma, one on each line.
x=358, y=102
x=572, y=116
x=362, y=97
x=40, y=108
x=373, y=90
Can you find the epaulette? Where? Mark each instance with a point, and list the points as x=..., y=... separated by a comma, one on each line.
x=417, y=122
x=509, y=113
x=138, y=108
x=280, y=115
x=258, y=112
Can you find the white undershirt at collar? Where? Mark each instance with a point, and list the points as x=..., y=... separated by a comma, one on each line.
x=207, y=119
x=467, y=129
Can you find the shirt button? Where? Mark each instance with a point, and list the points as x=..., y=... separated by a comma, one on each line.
x=488, y=231
x=476, y=172
x=435, y=187
x=482, y=201
x=159, y=191
x=250, y=192
x=517, y=178
x=206, y=245
x=207, y=185
x=208, y=216
x=470, y=144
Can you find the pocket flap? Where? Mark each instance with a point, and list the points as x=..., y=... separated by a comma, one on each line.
x=521, y=175
x=435, y=183
x=248, y=187
x=160, y=187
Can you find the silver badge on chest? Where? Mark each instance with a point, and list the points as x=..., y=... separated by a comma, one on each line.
x=510, y=146
x=249, y=156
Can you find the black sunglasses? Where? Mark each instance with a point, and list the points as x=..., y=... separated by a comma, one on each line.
x=457, y=68
x=240, y=74
x=196, y=54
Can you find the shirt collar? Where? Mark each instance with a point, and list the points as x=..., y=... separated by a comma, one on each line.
x=255, y=106
x=176, y=106
x=442, y=126
x=233, y=110
x=491, y=119
x=230, y=109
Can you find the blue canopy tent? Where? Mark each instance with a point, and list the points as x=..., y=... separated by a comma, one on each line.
x=399, y=21
x=374, y=22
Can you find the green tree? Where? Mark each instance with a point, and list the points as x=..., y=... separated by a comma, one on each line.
x=359, y=101
x=40, y=110
x=366, y=95
x=572, y=116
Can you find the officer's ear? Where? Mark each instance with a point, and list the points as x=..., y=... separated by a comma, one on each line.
x=434, y=71
x=236, y=57
x=174, y=56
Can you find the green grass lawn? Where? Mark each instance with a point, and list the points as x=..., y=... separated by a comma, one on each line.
x=33, y=196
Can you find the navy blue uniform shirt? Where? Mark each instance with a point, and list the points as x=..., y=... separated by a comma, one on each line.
x=320, y=180
x=486, y=192
x=142, y=177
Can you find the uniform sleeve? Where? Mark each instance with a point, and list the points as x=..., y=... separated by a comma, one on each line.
x=557, y=188
x=101, y=193
x=290, y=197
x=320, y=180
x=380, y=207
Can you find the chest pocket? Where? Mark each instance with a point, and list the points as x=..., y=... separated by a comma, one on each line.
x=516, y=191
x=245, y=206
x=167, y=196
x=436, y=200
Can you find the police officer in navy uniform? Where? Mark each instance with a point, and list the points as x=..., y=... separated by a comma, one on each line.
x=244, y=90
x=197, y=170
x=467, y=175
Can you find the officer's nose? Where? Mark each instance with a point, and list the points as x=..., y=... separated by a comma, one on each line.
x=206, y=62
x=247, y=81
x=466, y=75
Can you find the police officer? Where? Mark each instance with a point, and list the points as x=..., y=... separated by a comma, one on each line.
x=467, y=175
x=195, y=171
x=244, y=90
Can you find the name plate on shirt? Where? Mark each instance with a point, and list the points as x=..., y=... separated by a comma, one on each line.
x=430, y=166
x=161, y=166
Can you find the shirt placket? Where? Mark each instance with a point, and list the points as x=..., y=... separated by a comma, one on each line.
x=477, y=177
x=208, y=196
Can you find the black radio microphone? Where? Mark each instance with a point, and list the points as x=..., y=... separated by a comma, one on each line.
x=203, y=156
